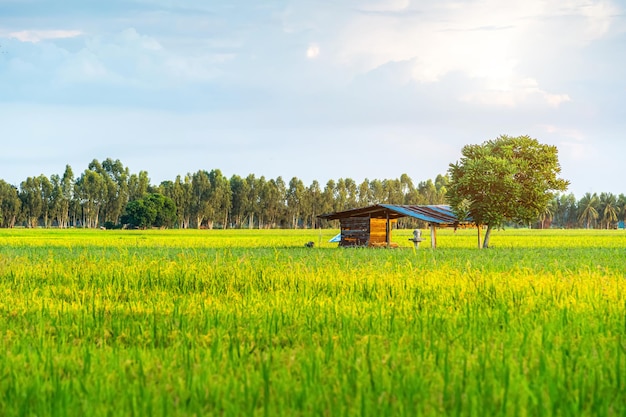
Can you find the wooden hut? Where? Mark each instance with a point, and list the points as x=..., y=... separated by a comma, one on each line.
x=372, y=226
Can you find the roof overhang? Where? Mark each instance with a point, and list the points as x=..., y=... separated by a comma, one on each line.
x=434, y=214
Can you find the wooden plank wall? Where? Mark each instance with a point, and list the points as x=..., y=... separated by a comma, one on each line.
x=355, y=231
x=378, y=232
x=363, y=231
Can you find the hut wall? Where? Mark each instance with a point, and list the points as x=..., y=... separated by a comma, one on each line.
x=355, y=231
x=378, y=232
x=363, y=231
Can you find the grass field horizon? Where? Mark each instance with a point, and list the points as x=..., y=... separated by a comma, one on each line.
x=250, y=322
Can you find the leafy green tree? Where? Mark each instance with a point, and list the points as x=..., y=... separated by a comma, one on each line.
x=153, y=210
x=508, y=179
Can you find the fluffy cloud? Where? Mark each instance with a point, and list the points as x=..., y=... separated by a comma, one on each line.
x=486, y=41
x=39, y=35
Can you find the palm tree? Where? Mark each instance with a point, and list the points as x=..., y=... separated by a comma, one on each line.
x=610, y=209
x=548, y=212
x=588, y=206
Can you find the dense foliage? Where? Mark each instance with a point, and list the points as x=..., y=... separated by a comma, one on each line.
x=508, y=179
x=207, y=199
x=107, y=193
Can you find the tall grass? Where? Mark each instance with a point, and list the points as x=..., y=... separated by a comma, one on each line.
x=253, y=323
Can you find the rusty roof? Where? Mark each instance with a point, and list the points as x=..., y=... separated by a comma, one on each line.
x=436, y=214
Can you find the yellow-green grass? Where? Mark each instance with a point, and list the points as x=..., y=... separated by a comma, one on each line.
x=253, y=323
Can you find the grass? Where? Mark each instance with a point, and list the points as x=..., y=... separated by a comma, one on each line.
x=253, y=323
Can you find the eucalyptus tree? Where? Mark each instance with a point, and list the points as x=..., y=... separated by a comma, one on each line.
x=10, y=204
x=47, y=203
x=138, y=185
x=295, y=201
x=352, y=193
x=240, y=190
x=220, y=199
x=313, y=202
x=377, y=191
x=273, y=198
x=90, y=189
x=63, y=196
x=31, y=200
x=441, y=185
x=180, y=192
x=253, y=201
x=340, y=196
x=365, y=193
x=116, y=179
x=393, y=191
x=200, y=197
x=409, y=191
x=428, y=192
x=328, y=197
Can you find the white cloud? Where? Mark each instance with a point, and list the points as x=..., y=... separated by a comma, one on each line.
x=514, y=92
x=385, y=5
x=35, y=36
x=499, y=45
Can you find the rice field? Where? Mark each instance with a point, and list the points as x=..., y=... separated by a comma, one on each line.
x=252, y=323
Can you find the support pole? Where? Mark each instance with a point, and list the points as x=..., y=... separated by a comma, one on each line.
x=478, y=227
x=433, y=236
x=387, y=230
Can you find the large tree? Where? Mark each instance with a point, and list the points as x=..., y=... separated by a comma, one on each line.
x=508, y=179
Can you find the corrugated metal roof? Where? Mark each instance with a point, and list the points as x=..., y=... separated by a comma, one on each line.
x=436, y=214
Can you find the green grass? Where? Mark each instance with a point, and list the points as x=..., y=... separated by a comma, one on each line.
x=235, y=323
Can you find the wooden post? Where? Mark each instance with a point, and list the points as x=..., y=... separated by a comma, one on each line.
x=478, y=226
x=433, y=236
x=387, y=230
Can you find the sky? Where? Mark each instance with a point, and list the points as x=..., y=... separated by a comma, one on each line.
x=317, y=90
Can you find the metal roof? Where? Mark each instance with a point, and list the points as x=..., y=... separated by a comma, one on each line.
x=436, y=214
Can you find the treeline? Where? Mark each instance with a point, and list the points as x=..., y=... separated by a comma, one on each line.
x=106, y=194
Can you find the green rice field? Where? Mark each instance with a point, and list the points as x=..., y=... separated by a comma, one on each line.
x=252, y=323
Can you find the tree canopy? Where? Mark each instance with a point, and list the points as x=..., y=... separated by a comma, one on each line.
x=508, y=179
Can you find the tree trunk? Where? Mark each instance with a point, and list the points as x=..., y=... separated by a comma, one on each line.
x=487, y=236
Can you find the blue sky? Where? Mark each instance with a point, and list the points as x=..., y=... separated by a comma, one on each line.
x=313, y=89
